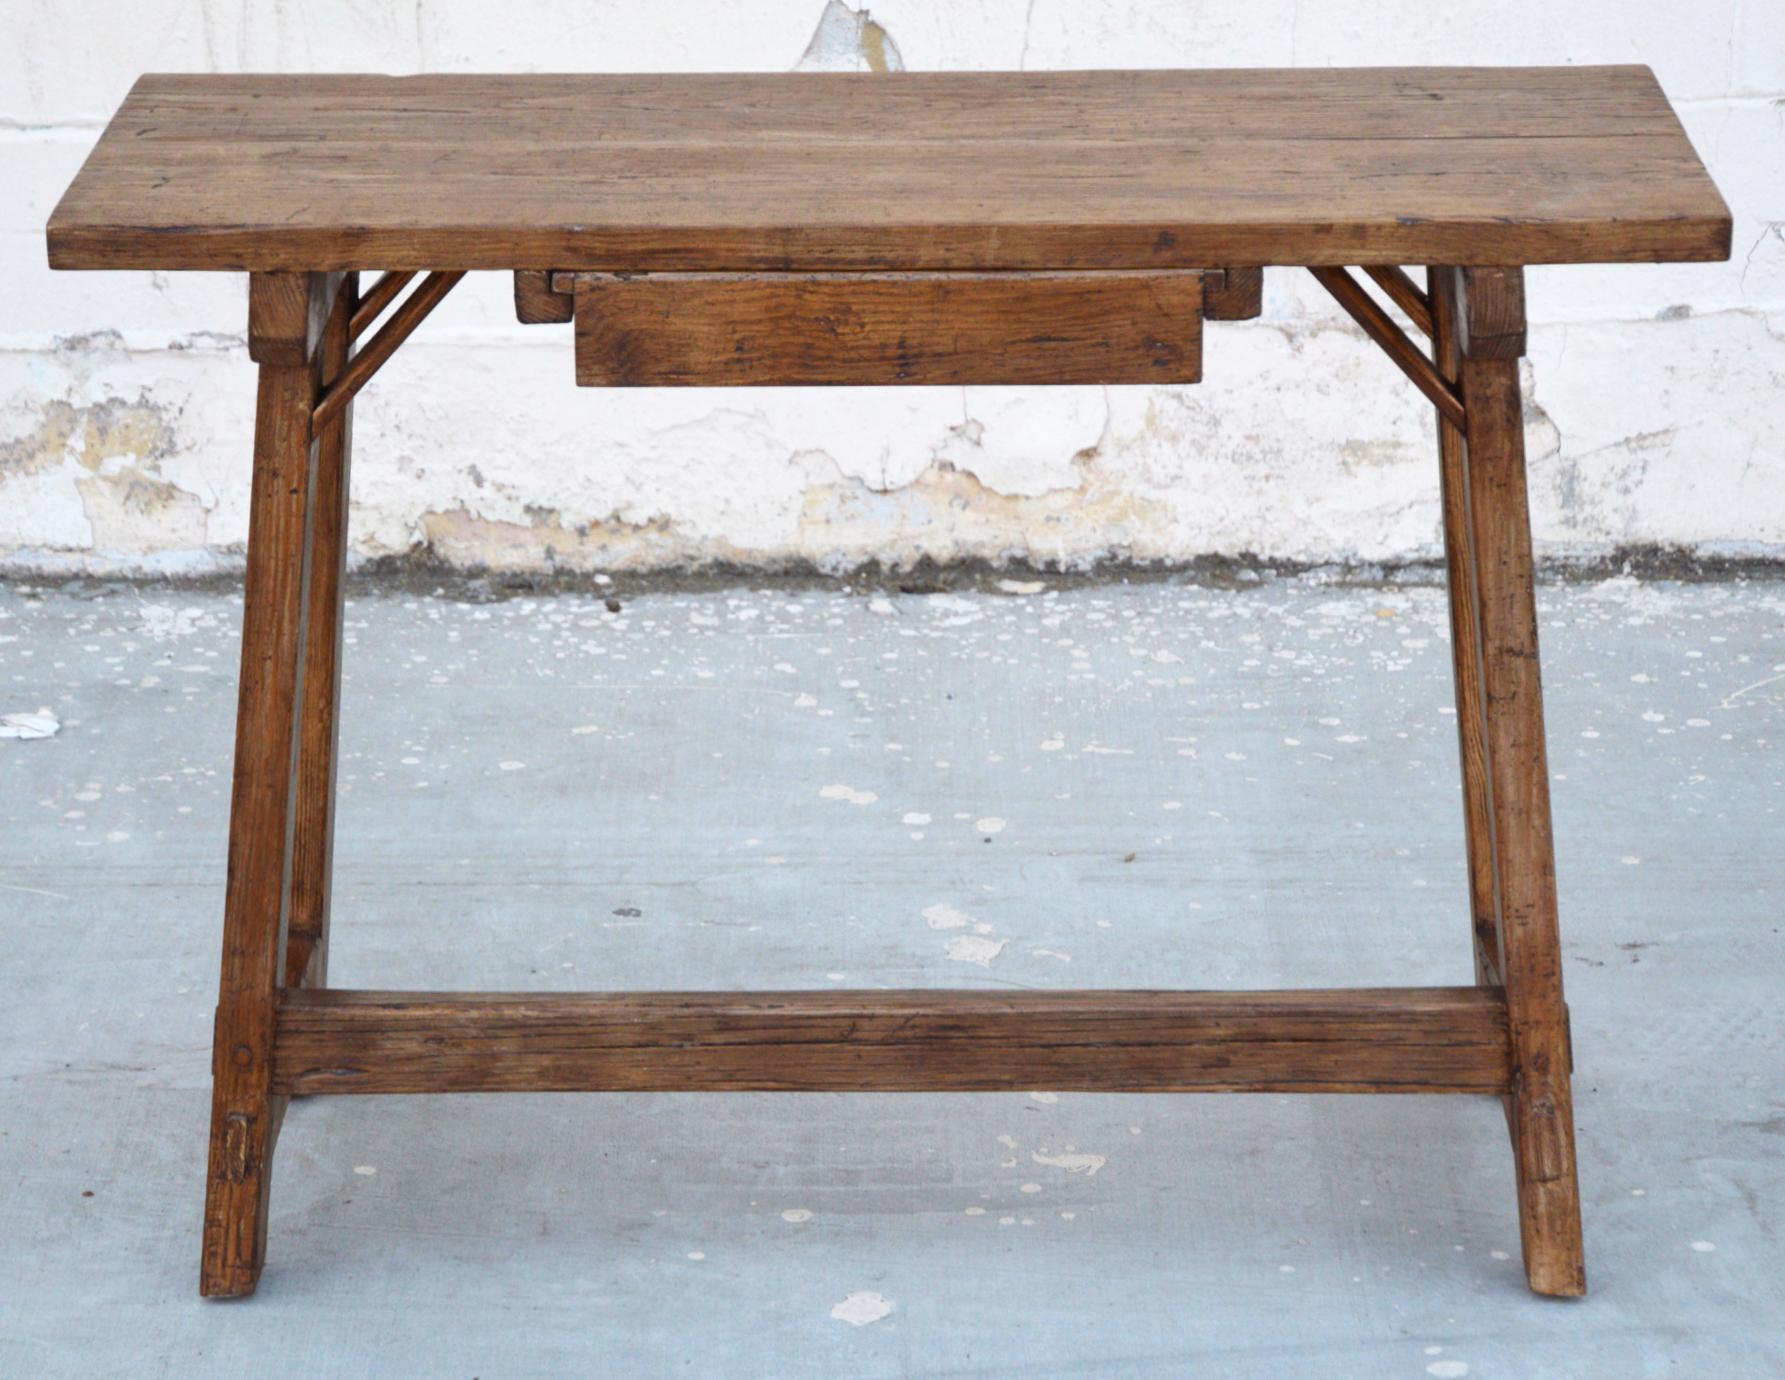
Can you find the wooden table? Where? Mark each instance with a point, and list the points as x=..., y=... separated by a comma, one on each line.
x=919, y=228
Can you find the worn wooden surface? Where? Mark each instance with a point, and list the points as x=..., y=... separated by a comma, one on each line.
x=397, y=327
x=1404, y=293
x=1381, y=327
x=377, y=299
x=286, y=315
x=862, y=328
x=1492, y=324
x=244, y=1110
x=537, y=302
x=1391, y=1040
x=1233, y=294
x=968, y=170
x=313, y=833
x=1005, y=202
x=1465, y=641
x=1541, y=1105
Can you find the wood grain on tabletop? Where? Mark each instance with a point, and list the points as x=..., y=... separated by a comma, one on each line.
x=1187, y=169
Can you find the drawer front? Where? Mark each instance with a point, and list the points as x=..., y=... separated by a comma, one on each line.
x=658, y=329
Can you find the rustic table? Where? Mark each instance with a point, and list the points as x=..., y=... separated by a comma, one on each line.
x=936, y=228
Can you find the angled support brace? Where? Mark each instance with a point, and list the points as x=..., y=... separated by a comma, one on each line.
x=1405, y=294
x=382, y=346
x=1380, y=327
x=375, y=299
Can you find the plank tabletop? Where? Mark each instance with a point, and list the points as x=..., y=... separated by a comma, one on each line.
x=956, y=170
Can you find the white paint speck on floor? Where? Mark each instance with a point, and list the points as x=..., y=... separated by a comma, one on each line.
x=861, y=1308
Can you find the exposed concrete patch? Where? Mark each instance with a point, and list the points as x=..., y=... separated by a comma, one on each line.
x=999, y=484
x=92, y=436
x=134, y=511
x=1022, y=443
x=949, y=514
x=113, y=450
x=848, y=40
x=461, y=539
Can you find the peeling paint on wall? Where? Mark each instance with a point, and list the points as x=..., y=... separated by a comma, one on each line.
x=132, y=511
x=93, y=436
x=460, y=538
x=849, y=40
x=948, y=513
x=112, y=451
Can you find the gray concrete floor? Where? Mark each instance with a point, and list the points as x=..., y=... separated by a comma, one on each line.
x=1149, y=785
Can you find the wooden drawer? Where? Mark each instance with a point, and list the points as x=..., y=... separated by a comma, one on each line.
x=657, y=329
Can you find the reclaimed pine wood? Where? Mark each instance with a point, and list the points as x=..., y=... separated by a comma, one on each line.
x=1233, y=294
x=1396, y=1040
x=398, y=327
x=1493, y=324
x=674, y=329
x=1542, y=1111
x=286, y=315
x=245, y=1112
x=377, y=297
x=313, y=835
x=1381, y=327
x=952, y=207
x=1404, y=293
x=1465, y=642
x=537, y=302
x=963, y=170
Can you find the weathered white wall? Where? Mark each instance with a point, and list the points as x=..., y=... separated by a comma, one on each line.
x=1657, y=394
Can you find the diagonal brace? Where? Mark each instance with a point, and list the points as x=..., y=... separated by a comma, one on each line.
x=375, y=299
x=382, y=346
x=1404, y=293
x=1380, y=327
